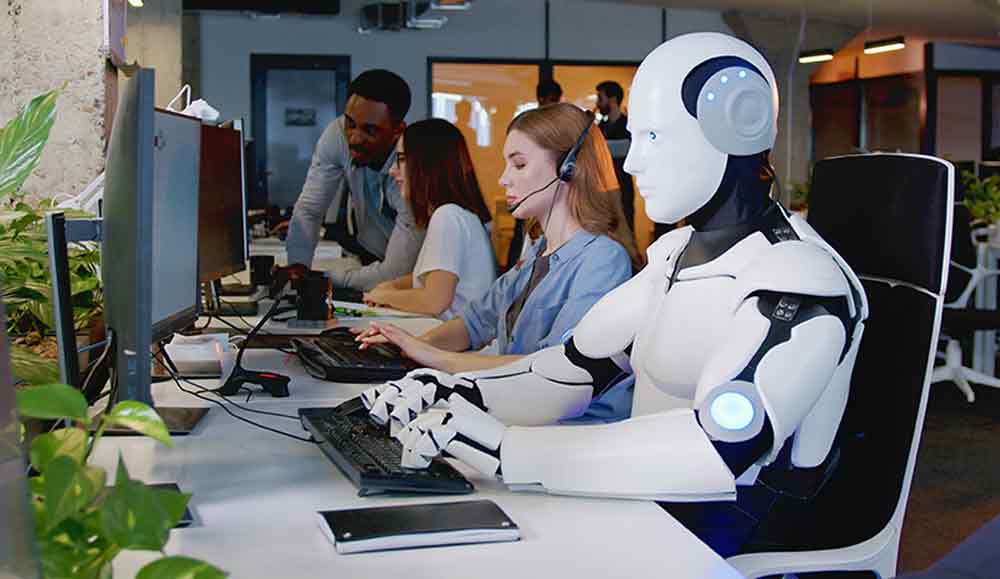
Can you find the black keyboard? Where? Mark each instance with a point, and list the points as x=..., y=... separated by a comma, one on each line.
x=366, y=453
x=334, y=356
x=346, y=294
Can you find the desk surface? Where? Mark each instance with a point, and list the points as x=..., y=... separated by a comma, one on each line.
x=256, y=494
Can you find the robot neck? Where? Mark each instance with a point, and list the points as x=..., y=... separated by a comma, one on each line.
x=741, y=197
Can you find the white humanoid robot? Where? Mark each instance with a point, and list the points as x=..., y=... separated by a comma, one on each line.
x=741, y=332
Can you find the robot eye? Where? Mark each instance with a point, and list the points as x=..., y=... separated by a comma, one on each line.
x=710, y=96
x=743, y=74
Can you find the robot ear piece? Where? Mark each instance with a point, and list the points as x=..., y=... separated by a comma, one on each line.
x=567, y=167
x=733, y=104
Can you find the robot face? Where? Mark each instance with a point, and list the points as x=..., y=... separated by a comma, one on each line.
x=695, y=100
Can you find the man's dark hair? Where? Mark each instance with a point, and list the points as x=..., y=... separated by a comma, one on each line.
x=610, y=89
x=548, y=88
x=385, y=87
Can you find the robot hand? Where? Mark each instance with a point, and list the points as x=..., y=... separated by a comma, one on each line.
x=464, y=431
x=400, y=401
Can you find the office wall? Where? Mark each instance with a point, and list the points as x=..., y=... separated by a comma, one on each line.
x=499, y=29
x=154, y=40
x=50, y=45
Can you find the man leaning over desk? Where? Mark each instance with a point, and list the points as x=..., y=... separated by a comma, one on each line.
x=350, y=173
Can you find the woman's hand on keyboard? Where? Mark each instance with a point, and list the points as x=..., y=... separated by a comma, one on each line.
x=368, y=336
x=413, y=347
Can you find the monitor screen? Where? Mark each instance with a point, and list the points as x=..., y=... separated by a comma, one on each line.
x=175, y=222
x=222, y=231
x=150, y=243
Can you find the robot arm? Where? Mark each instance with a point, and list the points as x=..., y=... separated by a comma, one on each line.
x=751, y=396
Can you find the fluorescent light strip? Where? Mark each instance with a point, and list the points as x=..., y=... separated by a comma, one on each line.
x=885, y=48
x=815, y=58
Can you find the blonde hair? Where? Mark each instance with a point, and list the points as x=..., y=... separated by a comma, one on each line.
x=593, y=195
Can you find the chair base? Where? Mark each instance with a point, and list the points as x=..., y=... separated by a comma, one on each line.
x=961, y=376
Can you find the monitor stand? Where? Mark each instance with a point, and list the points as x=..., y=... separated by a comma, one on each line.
x=181, y=421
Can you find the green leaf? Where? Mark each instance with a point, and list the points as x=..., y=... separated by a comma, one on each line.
x=178, y=567
x=51, y=402
x=68, y=489
x=140, y=418
x=32, y=368
x=135, y=516
x=22, y=141
x=70, y=442
x=76, y=548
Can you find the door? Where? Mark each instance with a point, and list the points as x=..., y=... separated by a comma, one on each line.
x=294, y=98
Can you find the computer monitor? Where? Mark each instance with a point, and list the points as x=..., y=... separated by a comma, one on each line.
x=150, y=230
x=222, y=215
x=17, y=541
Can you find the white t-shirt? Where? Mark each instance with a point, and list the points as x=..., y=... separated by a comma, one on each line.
x=456, y=241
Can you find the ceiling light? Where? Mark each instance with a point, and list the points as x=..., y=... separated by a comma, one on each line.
x=135, y=3
x=821, y=55
x=453, y=4
x=885, y=45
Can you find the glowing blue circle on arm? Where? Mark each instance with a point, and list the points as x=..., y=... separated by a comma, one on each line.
x=732, y=411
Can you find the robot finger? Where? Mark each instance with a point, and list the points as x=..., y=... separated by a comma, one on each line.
x=380, y=400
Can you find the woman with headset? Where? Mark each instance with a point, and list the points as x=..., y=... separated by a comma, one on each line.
x=559, y=173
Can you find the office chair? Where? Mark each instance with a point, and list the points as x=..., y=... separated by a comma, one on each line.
x=889, y=216
x=965, y=275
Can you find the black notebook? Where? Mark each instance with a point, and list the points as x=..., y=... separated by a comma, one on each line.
x=408, y=526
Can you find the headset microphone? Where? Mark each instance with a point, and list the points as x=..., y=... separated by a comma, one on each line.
x=512, y=208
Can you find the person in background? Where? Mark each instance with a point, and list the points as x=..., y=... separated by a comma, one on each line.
x=610, y=96
x=614, y=125
x=548, y=92
x=586, y=251
x=455, y=265
x=349, y=177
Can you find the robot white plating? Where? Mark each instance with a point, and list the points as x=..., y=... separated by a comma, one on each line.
x=741, y=332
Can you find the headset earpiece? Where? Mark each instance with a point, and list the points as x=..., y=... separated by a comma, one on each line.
x=733, y=104
x=567, y=168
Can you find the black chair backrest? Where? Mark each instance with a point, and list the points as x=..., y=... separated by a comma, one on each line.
x=888, y=217
x=962, y=252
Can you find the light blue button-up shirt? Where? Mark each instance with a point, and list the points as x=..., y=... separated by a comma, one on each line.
x=580, y=272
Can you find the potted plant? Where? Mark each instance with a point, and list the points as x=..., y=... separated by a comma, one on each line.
x=982, y=197
x=81, y=525
x=799, y=198
x=24, y=267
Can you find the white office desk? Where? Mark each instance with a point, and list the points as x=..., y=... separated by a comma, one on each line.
x=255, y=495
x=414, y=325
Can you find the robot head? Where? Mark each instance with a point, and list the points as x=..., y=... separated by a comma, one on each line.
x=696, y=100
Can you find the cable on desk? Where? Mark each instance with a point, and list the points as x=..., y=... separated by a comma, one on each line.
x=246, y=332
x=175, y=375
x=177, y=380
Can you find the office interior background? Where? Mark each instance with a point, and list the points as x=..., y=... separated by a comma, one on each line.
x=286, y=74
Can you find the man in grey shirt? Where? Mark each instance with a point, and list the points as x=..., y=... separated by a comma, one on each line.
x=349, y=173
